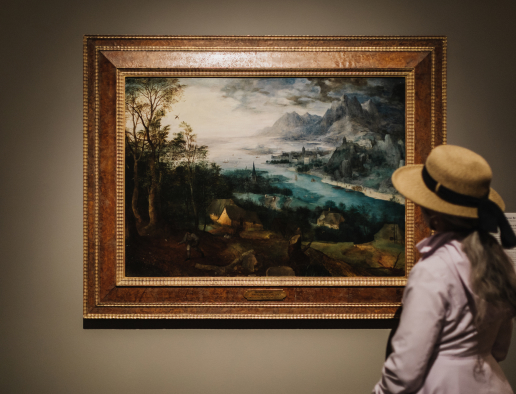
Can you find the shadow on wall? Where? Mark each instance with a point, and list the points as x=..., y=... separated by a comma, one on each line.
x=251, y=324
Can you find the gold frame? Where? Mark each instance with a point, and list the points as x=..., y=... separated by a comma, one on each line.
x=234, y=56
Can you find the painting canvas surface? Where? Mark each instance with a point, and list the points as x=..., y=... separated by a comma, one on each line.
x=264, y=177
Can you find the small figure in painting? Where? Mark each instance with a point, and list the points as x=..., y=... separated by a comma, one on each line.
x=299, y=261
x=294, y=244
x=192, y=241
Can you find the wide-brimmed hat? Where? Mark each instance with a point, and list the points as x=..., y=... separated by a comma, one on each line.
x=455, y=181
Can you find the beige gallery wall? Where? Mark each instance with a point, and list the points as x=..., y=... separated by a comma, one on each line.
x=43, y=346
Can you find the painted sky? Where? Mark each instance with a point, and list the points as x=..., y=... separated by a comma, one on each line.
x=240, y=107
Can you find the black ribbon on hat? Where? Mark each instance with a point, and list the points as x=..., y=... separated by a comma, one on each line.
x=490, y=215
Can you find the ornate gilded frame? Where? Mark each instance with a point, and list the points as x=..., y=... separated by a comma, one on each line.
x=108, y=293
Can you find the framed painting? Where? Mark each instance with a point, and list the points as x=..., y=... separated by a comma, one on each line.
x=250, y=177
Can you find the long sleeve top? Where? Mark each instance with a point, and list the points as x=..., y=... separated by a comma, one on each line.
x=437, y=347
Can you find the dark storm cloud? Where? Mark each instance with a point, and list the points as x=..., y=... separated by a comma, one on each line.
x=334, y=88
x=254, y=93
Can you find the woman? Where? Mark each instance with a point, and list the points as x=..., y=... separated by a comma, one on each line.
x=460, y=297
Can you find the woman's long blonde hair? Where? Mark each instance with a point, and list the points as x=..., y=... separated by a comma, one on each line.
x=493, y=277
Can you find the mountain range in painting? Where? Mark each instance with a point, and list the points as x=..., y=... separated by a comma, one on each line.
x=346, y=117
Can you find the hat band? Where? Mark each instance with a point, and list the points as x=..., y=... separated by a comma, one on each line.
x=490, y=216
x=449, y=195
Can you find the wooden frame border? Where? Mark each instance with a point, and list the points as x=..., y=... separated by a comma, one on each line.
x=107, y=59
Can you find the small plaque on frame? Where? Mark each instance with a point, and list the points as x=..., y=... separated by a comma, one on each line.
x=265, y=295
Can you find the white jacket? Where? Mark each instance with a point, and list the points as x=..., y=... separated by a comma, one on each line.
x=437, y=348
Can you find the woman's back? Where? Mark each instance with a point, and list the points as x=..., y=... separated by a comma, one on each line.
x=437, y=348
x=460, y=297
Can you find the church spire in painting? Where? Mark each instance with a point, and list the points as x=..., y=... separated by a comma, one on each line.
x=253, y=174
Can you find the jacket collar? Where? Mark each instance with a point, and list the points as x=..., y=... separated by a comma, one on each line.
x=430, y=244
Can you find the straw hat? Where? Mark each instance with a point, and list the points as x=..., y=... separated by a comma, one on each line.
x=453, y=181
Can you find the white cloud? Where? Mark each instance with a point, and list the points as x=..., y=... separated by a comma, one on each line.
x=214, y=114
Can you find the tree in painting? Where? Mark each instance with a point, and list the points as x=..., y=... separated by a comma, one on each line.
x=191, y=157
x=147, y=102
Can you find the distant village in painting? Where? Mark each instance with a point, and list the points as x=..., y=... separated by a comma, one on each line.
x=264, y=177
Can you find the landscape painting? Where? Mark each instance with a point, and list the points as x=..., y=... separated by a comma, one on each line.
x=264, y=177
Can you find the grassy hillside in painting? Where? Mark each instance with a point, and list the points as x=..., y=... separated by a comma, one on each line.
x=164, y=257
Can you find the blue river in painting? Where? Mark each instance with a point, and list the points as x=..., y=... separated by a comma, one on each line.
x=308, y=191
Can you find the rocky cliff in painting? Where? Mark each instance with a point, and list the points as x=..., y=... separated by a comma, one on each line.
x=347, y=118
x=368, y=164
x=372, y=144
